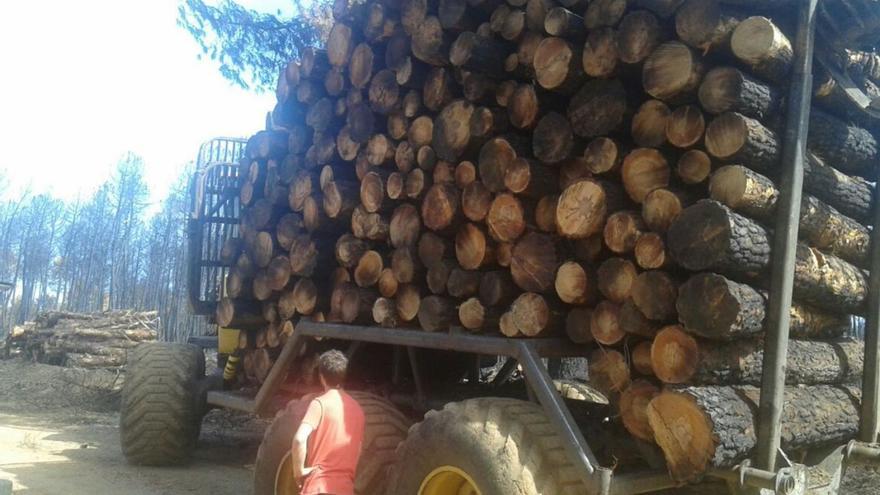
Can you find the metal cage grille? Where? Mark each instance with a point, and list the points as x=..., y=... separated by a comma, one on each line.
x=214, y=215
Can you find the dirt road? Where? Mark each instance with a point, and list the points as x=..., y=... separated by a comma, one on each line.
x=59, y=435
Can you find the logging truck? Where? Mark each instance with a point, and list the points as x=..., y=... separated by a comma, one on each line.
x=601, y=247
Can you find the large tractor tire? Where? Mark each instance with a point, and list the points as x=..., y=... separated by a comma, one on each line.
x=163, y=401
x=384, y=429
x=485, y=446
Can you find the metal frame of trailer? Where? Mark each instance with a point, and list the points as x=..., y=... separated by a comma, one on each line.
x=758, y=475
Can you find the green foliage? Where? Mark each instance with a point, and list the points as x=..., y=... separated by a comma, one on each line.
x=251, y=47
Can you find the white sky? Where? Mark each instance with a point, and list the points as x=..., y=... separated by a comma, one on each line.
x=81, y=82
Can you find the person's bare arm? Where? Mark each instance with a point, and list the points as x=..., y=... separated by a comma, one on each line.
x=299, y=450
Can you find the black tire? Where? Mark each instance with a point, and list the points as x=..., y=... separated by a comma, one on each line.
x=506, y=447
x=384, y=429
x=163, y=401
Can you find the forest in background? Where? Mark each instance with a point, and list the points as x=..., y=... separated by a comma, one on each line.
x=108, y=250
x=105, y=251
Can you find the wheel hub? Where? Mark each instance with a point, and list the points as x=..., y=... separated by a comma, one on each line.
x=448, y=480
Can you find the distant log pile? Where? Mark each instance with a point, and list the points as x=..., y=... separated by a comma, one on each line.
x=604, y=170
x=83, y=340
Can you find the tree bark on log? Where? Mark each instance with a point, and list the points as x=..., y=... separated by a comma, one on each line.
x=762, y=46
x=735, y=138
x=821, y=226
x=809, y=362
x=715, y=426
x=739, y=245
x=715, y=307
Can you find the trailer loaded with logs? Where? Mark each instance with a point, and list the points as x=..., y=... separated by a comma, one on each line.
x=679, y=191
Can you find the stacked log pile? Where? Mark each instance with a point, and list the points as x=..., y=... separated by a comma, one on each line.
x=83, y=340
x=599, y=170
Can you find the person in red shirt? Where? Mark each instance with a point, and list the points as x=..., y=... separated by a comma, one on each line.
x=327, y=444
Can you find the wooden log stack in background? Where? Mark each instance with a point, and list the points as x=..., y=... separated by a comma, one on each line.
x=83, y=340
x=601, y=171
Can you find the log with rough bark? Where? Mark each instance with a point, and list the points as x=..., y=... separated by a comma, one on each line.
x=809, y=362
x=735, y=138
x=710, y=236
x=715, y=307
x=821, y=226
x=714, y=426
x=760, y=44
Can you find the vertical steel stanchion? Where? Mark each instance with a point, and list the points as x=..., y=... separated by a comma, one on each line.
x=785, y=242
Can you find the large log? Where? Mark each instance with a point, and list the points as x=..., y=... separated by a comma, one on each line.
x=715, y=307
x=762, y=46
x=714, y=426
x=710, y=236
x=735, y=138
x=821, y=226
x=809, y=362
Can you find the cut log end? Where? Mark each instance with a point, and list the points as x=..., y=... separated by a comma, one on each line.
x=674, y=355
x=683, y=432
x=634, y=409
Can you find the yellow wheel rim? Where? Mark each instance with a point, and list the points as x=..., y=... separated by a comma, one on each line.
x=448, y=480
x=284, y=482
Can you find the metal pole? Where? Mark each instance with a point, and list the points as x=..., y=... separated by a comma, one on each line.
x=868, y=424
x=785, y=242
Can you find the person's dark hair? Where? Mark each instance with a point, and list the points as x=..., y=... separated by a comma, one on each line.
x=332, y=366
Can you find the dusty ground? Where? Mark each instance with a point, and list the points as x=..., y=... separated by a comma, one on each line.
x=58, y=435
